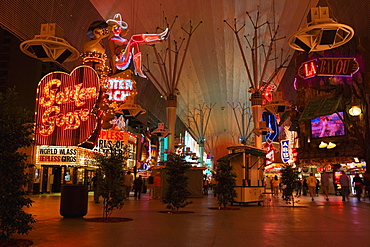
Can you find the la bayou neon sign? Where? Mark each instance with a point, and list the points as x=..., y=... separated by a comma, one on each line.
x=64, y=107
x=343, y=67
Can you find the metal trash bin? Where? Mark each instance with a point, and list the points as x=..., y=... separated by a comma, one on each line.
x=73, y=200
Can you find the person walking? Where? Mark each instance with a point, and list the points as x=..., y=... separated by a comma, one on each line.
x=325, y=182
x=95, y=182
x=275, y=186
x=317, y=187
x=304, y=187
x=127, y=183
x=205, y=186
x=151, y=186
x=138, y=186
x=298, y=188
x=157, y=186
x=344, y=183
x=267, y=183
x=311, y=182
x=357, y=181
x=367, y=184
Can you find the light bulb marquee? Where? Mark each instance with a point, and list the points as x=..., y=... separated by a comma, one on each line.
x=64, y=105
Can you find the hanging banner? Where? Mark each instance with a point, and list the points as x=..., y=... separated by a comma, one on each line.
x=64, y=107
x=285, y=154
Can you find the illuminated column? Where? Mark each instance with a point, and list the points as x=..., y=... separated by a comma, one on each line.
x=171, y=108
x=257, y=116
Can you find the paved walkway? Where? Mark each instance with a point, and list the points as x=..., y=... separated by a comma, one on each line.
x=318, y=223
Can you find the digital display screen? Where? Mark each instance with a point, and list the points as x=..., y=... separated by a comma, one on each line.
x=327, y=126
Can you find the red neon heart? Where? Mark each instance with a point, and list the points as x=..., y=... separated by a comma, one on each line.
x=64, y=105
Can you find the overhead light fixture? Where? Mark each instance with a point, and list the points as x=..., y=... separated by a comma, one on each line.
x=278, y=104
x=322, y=33
x=129, y=108
x=331, y=145
x=323, y=145
x=161, y=131
x=50, y=46
x=355, y=111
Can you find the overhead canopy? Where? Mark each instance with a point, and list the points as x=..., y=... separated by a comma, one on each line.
x=321, y=107
x=227, y=157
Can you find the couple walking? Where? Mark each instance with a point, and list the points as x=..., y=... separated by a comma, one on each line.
x=129, y=181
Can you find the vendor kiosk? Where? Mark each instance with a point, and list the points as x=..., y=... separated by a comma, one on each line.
x=247, y=163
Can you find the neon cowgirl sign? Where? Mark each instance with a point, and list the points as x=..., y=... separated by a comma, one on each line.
x=64, y=105
x=344, y=67
x=123, y=50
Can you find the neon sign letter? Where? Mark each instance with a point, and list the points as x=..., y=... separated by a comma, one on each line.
x=310, y=69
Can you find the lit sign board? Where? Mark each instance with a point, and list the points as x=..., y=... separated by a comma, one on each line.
x=120, y=88
x=270, y=153
x=64, y=106
x=343, y=67
x=285, y=155
x=120, y=141
x=58, y=155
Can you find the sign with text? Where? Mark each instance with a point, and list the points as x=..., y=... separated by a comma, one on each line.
x=342, y=67
x=64, y=107
x=285, y=154
x=56, y=155
x=120, y=141
x=270, y=153
x=120, y=88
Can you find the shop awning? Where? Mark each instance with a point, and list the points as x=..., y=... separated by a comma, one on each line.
x=248, y=149
x=324, y=161
x=321, y=107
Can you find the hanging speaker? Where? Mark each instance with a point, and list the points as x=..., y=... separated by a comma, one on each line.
x=280, y=109
x=302, y=45
x=64, y=56
x=328, y=37
x=38, y=50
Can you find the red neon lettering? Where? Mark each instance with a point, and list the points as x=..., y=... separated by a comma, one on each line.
x=53, y=118
x=310, y=69
x=44, y=158
x=68, y=95
x=103, y=134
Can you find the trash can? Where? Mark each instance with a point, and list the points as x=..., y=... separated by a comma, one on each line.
x=73, y=200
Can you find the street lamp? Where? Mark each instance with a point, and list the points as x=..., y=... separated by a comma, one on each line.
x=323, y=145
x=355, y=111
x=331, y=145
